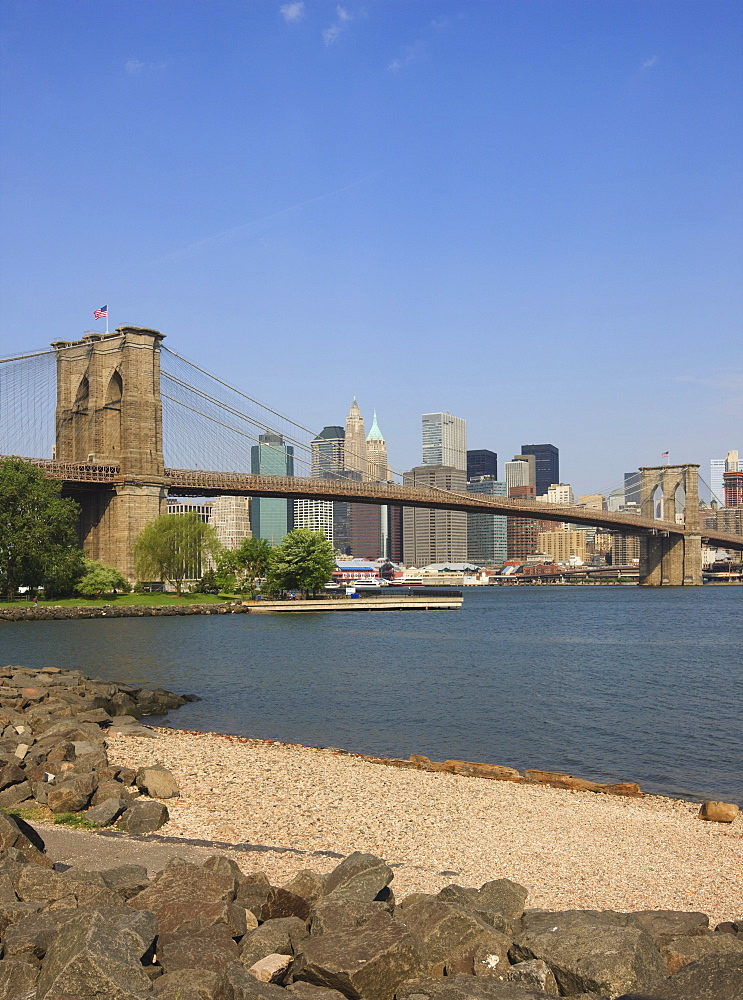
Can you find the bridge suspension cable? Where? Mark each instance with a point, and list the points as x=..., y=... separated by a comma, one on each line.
x=28, y=399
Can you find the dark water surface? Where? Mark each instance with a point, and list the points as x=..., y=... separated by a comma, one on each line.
x=609, y=683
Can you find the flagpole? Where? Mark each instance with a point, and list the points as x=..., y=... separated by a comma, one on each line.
x=106, y=319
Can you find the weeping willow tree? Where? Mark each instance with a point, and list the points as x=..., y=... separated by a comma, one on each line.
x=175, y=547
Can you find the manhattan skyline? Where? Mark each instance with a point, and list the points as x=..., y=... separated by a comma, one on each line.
x=525, y=215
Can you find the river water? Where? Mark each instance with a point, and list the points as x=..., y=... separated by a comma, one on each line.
x=609, y=683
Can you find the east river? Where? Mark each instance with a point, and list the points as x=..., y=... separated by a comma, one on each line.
x=608, y=683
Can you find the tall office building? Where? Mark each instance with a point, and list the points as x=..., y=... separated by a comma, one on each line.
x=271, y=518
x=444, y=440
x=377, y=469
x=482, y=463
x=560, y=493
x=231, y=520
x=434, y=536
x=547, y=467
x=317, y=515
x=487, y=534
x=521, y=471
x=355, y=441
x=328, y=452
x=632, y=487
x=733, y=484
x=718, y=468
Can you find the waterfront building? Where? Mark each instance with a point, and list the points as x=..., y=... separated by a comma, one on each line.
x=355, y=441
x=487, y=534
x=444, y=441
x=365, y=531
x=204, y=510
x=547, y=465
x=429, y=535
x=317, y=515
x=728, y=519
x=482, y=462
x=561, y=545
x=272, y=518
x=230, y=517
x=625, y=549
x=394, y=538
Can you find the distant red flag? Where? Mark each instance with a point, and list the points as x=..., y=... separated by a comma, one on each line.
x=101, y=313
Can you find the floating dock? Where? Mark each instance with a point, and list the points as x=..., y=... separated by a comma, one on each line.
x=428, y=602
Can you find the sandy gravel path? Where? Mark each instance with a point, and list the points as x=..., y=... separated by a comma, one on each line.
x=570, y=849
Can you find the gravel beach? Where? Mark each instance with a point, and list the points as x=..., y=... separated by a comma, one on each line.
x=570, y=849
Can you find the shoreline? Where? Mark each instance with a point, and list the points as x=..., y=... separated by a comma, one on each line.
x=571, y=850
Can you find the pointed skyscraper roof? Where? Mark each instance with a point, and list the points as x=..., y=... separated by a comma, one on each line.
x=374, y=434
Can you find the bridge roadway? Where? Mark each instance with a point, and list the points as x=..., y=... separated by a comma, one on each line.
x=198, y=483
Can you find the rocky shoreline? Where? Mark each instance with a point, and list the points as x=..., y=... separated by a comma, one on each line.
x=215, y=932
x=32, y=613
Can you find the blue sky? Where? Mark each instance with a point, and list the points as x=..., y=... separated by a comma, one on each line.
x=525, y=212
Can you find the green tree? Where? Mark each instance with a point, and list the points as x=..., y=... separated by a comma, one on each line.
x=304, y=561
x=174, y=547
x=99, y=579
x=251, y=560
x=38, y=530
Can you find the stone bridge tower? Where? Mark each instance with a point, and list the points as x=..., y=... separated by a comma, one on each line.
x=665, y=560
x=109, y=412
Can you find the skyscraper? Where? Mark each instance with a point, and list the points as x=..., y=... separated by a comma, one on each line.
x=328, y=453
x=520, y=471
x=377, y=469
x=482, y=463
x=445, y=440
x=434, y=536
x=271, y=519
x=355, y=441
x=632, y=487
x=487, y=535
x=547, y=465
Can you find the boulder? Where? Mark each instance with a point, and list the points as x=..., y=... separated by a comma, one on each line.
x=450, y=936
x=17, y=833
x=463, y=987
x=18, y=980
x=359, y=876
x=282, y=936
x=11, y=774
x=211, y=949
x=138, y=927
x=307, y=884
x=534, y=974
x=187, y=984
x=41, y=885
x=180, y=890
x=338, y=916
x=31, y=937
x=106, y=812
x=370, y=962
x=271, y=969
x=236, y=983
x=308, y=991
x=503, y=897
x=91, y=959
x=662, y=925
x=714, y=977
x=590, y=951
x=681, y=951
x=253, y=891
x=179, y=919
x=283, y=903
x=144, y=817
x=73, y=794
x=719, y=812
x=14, y=795
x=127, y=880
x=90, y=888
x=157, y=782
x=110, y=789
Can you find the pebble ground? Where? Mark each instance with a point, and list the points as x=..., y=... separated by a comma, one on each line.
x=570, y=849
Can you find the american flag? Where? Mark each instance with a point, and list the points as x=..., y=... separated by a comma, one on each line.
x=101, y=313
x=664, y=454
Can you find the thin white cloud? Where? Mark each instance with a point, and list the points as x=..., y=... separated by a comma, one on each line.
x=245, y=229
x=408, y=55
x=134, y=66
x=292, y=12
x=649, y=63
x=342, y=18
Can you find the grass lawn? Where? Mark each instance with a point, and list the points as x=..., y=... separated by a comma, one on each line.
x=150, y=600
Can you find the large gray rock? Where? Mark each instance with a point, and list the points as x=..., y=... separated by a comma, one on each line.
x=191, y=918
x=179, y=892
x=284, y=903
x=14, y=795
x=91, y=959
x=106, y=812
x=504, y=897
x=127, y=880
x=359, y=876
x=307, y=884
x=463, y=987
x=715, y=977
x=534, y=974
x=338, y=916
x=16, y=833
x=137, y=927
x=187, y=984
x=253, y=891
x=308, y=991
x=370, y=962
x=662, y=925
x=451, y=936
x=590, y=951
x=33, y=883
x=18, y=980
x=681, y=951
x=236, y=983
x=282, y=936
x=157, y=782
x=211, y=949
x=31, y=937
x=144, y=817
x=72, y=795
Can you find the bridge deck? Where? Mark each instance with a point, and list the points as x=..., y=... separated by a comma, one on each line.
x=190, y=482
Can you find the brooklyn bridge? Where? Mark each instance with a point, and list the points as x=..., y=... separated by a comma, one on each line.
x=109, y=408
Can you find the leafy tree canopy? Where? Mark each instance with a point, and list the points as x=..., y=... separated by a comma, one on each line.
x=304, y=561
x=100, y=579
x=173, y=547
x=38, y=531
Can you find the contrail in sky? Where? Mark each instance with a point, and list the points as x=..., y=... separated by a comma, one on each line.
x=247, y=226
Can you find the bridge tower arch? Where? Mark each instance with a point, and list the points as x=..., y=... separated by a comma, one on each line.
x=109, y=412
x=667, y=560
